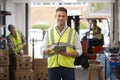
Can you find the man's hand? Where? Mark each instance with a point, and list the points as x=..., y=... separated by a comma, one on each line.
x=87, y=33
x=68, y=54
x=21, y=52
x=15, y=53
x=47, y=50
x=64, y=53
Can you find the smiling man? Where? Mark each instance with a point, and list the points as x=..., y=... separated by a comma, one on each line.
x=61, y=63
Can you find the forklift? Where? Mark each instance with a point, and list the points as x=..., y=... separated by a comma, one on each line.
x=85, y=40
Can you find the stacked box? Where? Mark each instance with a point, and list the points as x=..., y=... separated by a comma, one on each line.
x=23, y=68
x=24, y=75
x=23, y=62
x=4, y=64
x=4, y=57
x=40, y=69
x=4, y=73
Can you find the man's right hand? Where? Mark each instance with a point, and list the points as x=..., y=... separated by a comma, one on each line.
x=47, y=50
x=87, y=33
x=15, y=53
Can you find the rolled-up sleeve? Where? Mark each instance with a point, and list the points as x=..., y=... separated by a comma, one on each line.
x=44, y=43
x=77, y=44
x=23, y=38
x=10, y=45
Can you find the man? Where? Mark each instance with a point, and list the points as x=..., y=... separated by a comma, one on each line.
x=97, y=35
x=61, y=64
x=97, y=39
x=16, y=42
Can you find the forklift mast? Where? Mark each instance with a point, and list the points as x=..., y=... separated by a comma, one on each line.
x=76, y=22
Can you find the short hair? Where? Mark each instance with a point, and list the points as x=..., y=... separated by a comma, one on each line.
x=9, y=26
x=94, y=20
x=61, y=9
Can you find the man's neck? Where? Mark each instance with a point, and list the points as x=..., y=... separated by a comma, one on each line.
x=14, y=35
x=61, y=28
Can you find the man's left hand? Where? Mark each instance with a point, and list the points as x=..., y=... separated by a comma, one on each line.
x=64, y=53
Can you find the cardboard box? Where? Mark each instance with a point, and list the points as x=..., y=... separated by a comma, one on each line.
x=40, y=64
x=23, y=62
x=40, y=69
x=4, y=57
x=38, y=75
x=4, y=73
x=24, y=75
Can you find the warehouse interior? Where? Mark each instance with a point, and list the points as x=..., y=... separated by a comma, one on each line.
x=33, y=65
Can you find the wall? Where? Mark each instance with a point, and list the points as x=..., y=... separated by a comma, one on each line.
x=11, y=18
x=18, y=15
x=43, y=14
x=119, y=18
x=116, y=21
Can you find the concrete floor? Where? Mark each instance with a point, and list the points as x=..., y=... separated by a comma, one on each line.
x=82, y=74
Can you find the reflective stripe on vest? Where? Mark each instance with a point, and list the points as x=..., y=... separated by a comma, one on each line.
x=97, y=36
x=17, y=43
x=67, y=39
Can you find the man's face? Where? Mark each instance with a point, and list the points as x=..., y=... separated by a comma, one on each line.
x=12, y=30
x=94, y=24
x=61, y=17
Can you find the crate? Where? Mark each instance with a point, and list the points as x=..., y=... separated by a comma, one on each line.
x=24, y=75
x=4, y=57
x=4, y=73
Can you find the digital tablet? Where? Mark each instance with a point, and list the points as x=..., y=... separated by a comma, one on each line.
x=60, y=48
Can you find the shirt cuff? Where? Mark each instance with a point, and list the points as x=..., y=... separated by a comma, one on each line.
x=80, y=52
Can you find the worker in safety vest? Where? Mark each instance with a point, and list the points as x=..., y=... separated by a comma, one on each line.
x=62, y=45
x=97, y=39
x=96, y=31
x=15, y=42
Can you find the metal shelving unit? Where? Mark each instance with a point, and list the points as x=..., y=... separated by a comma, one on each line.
x=3, y=14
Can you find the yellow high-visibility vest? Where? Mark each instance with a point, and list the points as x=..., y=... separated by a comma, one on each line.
x=66, y=39
x=97, y=36
x=17, y=43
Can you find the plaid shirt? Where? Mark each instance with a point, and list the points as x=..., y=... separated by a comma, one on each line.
x=11, y=46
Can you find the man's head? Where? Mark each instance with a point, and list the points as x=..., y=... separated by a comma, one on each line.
x=11, y=28
x=61, y=16
x=94, y=23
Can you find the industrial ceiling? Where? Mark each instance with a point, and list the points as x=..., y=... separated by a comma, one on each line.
x=24, y=1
